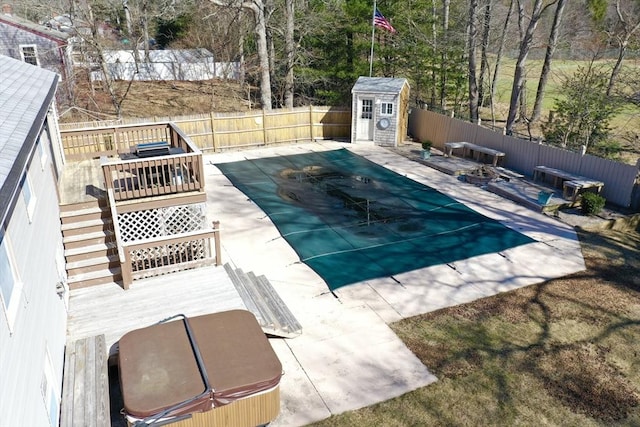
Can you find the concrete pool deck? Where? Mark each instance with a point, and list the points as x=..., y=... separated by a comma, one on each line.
x=347, y=356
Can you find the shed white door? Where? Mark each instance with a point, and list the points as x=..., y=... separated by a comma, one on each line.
x=365, y=119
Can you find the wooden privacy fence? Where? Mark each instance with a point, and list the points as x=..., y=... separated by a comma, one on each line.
x=621, y=185
x=221, y=131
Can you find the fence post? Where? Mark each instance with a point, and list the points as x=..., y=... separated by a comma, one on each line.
x=213, y=131
x=216, y=241
x=311, y=122
x=264, y=127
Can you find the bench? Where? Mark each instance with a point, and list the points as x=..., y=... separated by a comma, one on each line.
x=570, y=183
x=85, y=384
x=571, y=189
x=474, y=151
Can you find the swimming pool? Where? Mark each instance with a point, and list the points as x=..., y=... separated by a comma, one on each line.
x=350, y=219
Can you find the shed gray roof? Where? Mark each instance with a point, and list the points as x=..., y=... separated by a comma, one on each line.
x=26, y=93
x=378, y=85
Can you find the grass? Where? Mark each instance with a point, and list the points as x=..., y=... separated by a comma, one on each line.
x=565, y=352
x=625, y=125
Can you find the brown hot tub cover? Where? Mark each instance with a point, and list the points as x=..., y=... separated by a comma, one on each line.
x=158, y=367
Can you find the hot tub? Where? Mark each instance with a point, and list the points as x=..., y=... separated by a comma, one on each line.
x=212, y=370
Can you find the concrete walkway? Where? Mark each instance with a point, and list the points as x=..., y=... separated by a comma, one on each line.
x=347, y=357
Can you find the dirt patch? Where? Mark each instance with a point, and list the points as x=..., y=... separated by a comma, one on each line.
x=158, y=99
x=580, y=377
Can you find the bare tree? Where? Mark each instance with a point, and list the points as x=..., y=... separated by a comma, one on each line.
x=622, y=37
x=546, y=66
x=257, y=7
x=519, y=73
x=446, y=5
x=496, y=70
x=289, y=52
x=484, y=46
x=472, y=42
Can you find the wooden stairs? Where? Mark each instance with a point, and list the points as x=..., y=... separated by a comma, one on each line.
x=90, y=251
x=263, y=301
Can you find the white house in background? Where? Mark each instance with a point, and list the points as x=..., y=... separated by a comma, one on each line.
x=170, y=64
x=33, y=305
x=380, y=110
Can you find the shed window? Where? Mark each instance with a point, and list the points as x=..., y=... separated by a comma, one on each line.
x=10, y=286
x=29, y=54
x=386, y=109
x=367, y=108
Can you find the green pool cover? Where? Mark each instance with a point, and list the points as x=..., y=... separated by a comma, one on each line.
x=350, y=219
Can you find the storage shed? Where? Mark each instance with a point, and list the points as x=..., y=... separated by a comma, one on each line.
x=380, y=107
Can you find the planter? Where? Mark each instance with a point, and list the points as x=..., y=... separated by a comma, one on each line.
x=426, y=154
x=478, y=180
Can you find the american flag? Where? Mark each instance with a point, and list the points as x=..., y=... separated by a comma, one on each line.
x=380, y=21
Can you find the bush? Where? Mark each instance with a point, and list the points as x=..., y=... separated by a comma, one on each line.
x=426, y=145
x=592, y=203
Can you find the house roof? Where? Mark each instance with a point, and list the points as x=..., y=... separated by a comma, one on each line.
x=379, y=85
x=26, y=93
x=38, y=29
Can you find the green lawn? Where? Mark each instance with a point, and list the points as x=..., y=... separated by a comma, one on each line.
x=566, y=352
x=625, y=125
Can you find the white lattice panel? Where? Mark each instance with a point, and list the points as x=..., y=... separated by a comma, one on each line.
x=165, y=221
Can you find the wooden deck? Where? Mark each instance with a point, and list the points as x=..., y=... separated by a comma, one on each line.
x=81, y=182
x=112, y=311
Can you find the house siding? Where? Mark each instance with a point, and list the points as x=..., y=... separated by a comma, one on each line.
x=49, y=51
x=53, y=50
x=40, y=323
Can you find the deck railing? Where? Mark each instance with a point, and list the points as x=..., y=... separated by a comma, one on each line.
x=156, y=176
x=162, y=255
x=91, y=143
x=133, y=177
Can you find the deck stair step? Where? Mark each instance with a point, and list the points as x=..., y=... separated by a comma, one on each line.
x=91, y=251
x=87, y=239
x=92, y=264
x=84, y=214
x=83, y=227
x=89, y=248
x=93, y=278
x=263, y=301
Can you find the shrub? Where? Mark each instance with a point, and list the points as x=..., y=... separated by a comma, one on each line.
x=592, y=203
x=426, y=145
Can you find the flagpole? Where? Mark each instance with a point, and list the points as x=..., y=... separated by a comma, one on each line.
x=373, y=32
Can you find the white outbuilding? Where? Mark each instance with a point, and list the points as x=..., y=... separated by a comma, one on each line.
x=380, y=109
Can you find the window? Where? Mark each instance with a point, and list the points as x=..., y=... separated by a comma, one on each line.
x=49, y=396
x=386, y=109
x=28, y=196
x=10, y=286
x=367, y=108
x=43, y=142
x=29, y=54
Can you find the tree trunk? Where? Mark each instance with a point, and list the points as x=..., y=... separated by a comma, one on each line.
x=519, y=73
x=473, y=39
x=484, y=61
x=434, y=35
x=496, y=71
x=623, y=42
x=290, y=54
x=444, y=63
x=546, y=66
x=258, y=9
